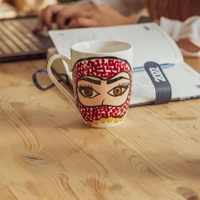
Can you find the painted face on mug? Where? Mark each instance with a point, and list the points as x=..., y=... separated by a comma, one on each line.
x=94, y=91
x=102, y=88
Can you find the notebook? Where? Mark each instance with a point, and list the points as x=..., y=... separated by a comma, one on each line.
x=150, y=43
x=17, y=42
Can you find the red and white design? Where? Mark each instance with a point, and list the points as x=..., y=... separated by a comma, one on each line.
x=103, y=68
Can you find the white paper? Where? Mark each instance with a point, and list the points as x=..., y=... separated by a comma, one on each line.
x=150, y=43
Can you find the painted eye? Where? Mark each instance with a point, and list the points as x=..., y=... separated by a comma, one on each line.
x=87, y=91
x=119, y=90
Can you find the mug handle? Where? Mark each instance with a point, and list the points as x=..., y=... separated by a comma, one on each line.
x=55, y=81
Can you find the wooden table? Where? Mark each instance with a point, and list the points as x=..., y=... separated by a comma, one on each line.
x=47, y=153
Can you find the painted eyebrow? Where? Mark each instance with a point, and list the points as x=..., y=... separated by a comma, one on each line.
x=98, y=82
x=109, y=81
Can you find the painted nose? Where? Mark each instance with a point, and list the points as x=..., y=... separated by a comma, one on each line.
x=102, y=103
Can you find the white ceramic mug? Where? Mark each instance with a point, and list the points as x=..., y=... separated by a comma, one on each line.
x=101, y=78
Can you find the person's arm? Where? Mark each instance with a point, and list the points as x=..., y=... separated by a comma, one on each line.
x=124, y=7
x=100, y=15
x=60, y=14
x=185, y=34
x=88, y=13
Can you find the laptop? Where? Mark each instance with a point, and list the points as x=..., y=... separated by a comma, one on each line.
x=17, y=42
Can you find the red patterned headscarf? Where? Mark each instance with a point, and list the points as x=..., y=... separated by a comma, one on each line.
x=104, y=68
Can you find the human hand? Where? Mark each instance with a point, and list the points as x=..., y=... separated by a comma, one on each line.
x=59, y=14
x=187, y=45
x=98, y=16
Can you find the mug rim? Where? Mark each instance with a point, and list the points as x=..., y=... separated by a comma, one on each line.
x=127, y=46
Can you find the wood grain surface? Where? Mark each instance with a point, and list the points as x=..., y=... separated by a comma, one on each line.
x=48, y=153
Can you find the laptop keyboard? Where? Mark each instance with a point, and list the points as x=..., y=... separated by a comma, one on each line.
x=17, y=39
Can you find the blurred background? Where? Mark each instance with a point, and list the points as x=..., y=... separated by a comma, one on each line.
x=13, y=8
